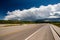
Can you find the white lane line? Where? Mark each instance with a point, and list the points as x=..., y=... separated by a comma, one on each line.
x=56, y=29
x=33, y=33
x=54, y=34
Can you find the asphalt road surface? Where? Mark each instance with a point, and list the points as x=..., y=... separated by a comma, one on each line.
x=43, y=33
x=27, y=32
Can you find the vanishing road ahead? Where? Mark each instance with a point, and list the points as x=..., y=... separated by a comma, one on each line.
x=30, y=32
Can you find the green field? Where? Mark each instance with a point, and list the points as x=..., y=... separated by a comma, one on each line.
x=57, y=24
x=28, y=22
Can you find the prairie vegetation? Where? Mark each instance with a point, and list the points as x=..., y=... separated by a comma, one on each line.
x=14, y=22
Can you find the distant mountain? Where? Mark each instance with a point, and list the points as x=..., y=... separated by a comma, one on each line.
x=48, y=19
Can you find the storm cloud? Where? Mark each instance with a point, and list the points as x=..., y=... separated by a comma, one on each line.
x=49, y=11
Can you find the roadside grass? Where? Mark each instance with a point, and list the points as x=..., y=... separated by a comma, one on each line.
x=8, y=25
x=57, y=24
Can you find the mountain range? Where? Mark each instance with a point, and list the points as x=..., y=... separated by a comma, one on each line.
x=49, y=19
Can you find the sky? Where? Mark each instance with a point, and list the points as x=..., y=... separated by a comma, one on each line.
x=29, y=9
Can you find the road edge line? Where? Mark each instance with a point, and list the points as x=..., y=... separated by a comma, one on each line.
x=54, y=34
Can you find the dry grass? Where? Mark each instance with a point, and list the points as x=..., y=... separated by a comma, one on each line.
x=57, y=24
x=8, y=25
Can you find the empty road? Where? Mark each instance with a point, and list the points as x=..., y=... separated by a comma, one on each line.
x=27, y=32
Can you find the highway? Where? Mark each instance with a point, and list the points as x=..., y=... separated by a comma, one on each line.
x=29, y=32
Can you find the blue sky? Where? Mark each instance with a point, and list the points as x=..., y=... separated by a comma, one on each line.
x=11, y=5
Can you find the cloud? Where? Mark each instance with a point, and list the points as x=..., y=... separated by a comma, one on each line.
x=49, y=11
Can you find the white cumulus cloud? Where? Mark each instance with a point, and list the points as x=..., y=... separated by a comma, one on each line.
x=49, y=11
